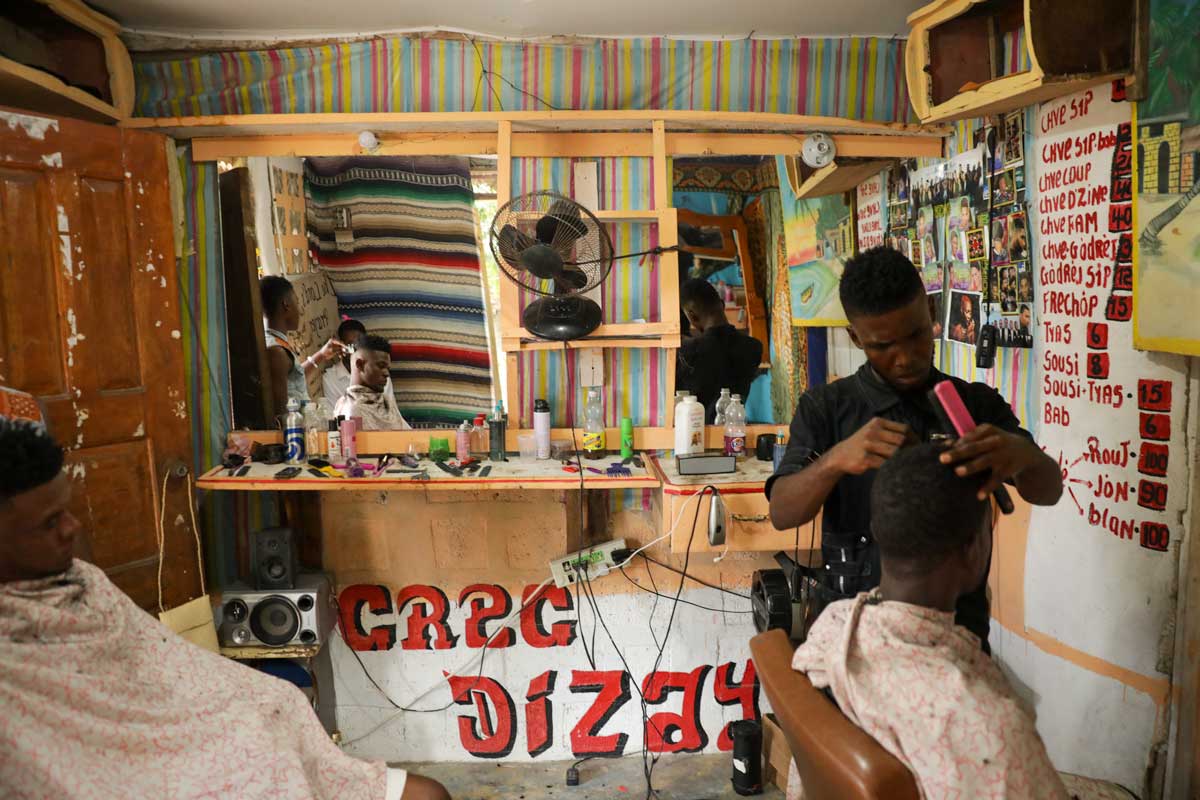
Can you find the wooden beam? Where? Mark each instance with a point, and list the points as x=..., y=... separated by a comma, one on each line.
x=645, y=342
x=580, y=145
x=840, y=177
x=343, y=144
x=782, y=144
x=225, y=125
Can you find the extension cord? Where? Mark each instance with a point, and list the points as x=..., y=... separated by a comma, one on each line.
x=596, y=561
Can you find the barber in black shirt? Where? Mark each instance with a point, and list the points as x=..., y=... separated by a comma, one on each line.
x=843, y=431
x=719, y=356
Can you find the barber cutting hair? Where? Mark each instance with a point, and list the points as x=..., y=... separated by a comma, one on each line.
x=844, y=431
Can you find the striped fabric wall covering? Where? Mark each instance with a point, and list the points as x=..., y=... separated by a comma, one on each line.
x=412, y=274
x=861, y=78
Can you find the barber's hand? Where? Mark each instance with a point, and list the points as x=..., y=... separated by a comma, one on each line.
x=332, y=349
x=990, y=448
x=870, y=446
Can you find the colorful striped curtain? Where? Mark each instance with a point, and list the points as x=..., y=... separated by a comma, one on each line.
x=859, y=78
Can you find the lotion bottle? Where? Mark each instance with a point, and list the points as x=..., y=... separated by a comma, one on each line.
x=541, y=428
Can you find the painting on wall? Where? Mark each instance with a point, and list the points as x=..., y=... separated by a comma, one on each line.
x=1167, y=277
x=819, y=232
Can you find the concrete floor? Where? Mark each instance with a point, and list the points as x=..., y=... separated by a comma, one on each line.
x=680, y=777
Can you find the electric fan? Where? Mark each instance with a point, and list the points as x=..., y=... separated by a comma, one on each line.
x=556, y=248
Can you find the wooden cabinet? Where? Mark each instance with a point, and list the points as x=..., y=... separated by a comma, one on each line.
x=968, y=58
x=60, y=57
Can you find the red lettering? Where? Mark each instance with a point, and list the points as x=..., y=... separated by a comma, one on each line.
x=666, y=731
x=612, y=692
x=430, y=609
x=1155, y=426
x=535, y=634
x=539, y=721
x=1153, y=459
x=731, y=692
x=493, y=732
x=1152, y=495
x=483, y=612
x=1097, y=365
x=1119, y=308
x=1154, y=395
x=352, y=601
x=1155, y=536
x=1097, y=335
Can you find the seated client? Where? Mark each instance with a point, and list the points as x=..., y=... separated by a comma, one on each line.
x=370, y=397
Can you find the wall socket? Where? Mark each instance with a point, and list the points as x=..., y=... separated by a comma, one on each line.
x=596, y=560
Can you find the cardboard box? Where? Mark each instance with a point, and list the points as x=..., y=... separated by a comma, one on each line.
x=777, y=756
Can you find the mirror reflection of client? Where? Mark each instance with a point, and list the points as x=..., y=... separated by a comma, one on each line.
x=719, y=356
x=369, y=398
x=899, y=667
x=101, y=700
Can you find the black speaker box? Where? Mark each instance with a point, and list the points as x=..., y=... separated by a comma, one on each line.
x=273, y=560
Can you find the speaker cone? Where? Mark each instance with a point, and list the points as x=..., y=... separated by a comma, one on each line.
x=275, y=621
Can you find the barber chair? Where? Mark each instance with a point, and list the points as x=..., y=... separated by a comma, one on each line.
x=836, y=759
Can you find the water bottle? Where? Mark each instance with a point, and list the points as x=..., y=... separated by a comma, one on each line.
x=735, y=428
x=593, y=425
x=293, y=433
x=541, y=428
x=722, y=407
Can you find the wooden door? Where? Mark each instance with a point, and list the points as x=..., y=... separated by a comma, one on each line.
x=89, y=323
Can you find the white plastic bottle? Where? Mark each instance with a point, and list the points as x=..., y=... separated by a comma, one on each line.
x=541, y=427
x=333, y=441
x=689, y=427
x=314, y=426
x=293, y=432
x=735, y=429
x=721, y=405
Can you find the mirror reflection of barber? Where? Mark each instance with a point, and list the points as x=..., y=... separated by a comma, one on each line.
x=288, y=374
x=843, y=431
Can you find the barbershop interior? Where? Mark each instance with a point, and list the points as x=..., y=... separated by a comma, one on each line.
x=809, y=382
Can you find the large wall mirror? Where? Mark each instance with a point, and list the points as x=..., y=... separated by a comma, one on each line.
x=377, y=245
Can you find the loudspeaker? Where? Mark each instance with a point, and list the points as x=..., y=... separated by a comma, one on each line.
x=275, y=618
x=273, y=560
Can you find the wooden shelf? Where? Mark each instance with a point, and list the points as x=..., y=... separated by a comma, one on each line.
x=516, y=473
x=843, y=175
x=620, y=334
x=296, y=651
x=31, y=89
x=953, y=54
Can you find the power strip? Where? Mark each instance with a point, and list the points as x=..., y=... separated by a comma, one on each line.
x=596, y=560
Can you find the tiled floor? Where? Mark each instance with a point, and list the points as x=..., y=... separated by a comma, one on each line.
x=681, y=777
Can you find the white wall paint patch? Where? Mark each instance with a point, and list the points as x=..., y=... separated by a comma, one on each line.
x=64, y=224
x=64, y=252
x=34, y=127
x=176, y=335
x=53, y=160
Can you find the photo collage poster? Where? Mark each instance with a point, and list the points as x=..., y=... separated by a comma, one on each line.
x=1009, y=301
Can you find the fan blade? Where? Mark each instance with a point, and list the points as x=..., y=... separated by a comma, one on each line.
x=561, y=225
x=542, y=261
x=512, y=242
x=571, y=278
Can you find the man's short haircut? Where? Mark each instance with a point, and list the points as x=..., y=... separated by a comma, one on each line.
x=878, y=281
x=921, y=512
x=29, y=457
x=700, y=295
x=350, y=325
x=376, y=344
x=274, y=289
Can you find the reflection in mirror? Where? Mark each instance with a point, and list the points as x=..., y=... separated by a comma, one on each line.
x=725, y=228
x=371, y=246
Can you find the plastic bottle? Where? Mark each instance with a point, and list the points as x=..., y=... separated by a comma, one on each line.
x=293, y=432
x=721, y=405
x=593, y=425
x=626, y=437
x=689, y=427
x=314, y=425
x=780, y=448
x=334, y=440
x=462, y=442
x=479, y=440
x=541, y=427
x=735, y=429
x=349, y=438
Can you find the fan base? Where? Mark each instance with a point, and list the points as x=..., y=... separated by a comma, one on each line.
x=561, y=319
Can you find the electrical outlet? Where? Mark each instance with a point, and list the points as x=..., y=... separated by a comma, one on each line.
x=597, y=560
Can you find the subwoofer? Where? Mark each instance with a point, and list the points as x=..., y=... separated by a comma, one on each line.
x=277, y=618
x=273, y=562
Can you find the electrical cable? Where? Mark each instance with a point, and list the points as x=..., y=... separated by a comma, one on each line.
x=700, y=581
x=685, y=602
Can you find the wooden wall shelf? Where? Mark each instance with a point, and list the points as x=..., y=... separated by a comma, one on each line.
x=843, y=175
x=75, y=39
x=953, y=60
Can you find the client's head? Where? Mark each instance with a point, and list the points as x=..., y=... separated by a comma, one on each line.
x=934, y=535
x=372, y=362
x=37, y=530
x=701, y=303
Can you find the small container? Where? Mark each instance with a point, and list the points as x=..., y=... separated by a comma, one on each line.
x=293, y=435
x=541, y=428
x=561, y=449
x=462, y=441
x=527, y=445
x=780, y=448
x=497, y=431
x=334, y=440
x=439, y=448
x=349, y=438
x=626, y=437
x=479, y=438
